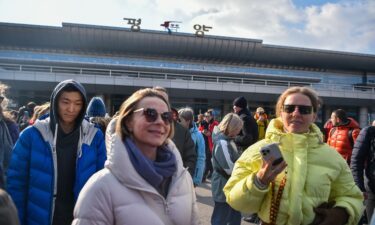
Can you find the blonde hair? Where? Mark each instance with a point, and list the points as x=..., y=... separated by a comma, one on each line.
x=310, y=93
x=230, y=122
x=129, y=105
x=40, y=110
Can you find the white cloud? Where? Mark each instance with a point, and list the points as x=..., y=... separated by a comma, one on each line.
x=345, y=25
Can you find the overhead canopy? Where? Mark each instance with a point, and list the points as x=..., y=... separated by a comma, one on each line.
x=114, y=40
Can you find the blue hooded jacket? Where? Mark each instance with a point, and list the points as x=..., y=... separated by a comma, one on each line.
x=32, y=173
x=200, y=148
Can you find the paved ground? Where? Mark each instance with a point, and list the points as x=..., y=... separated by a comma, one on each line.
x=205, y=204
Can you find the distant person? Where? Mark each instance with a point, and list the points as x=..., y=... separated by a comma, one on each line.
x=262, y=122
x=224, y=156
x=54, y=158
x=200, y=119
x=207, y=131
x=363, y=166
x=249, y=133
x=6, y=143
x=327, y=129
x=39, y=110
x=186, y=116
x=144, y=181
x=311, y=185
x=343, y=134
x=203, y=127
x=97, y=113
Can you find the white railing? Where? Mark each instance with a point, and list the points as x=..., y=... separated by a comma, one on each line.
x=181, y=76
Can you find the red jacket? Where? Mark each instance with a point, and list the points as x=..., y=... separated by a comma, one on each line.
x=211, y=129
x=339, y=138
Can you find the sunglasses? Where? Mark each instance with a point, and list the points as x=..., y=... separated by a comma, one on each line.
x=151, y=115
x=303, y=109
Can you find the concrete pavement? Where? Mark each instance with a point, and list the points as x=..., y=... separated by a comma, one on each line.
x=205, y=203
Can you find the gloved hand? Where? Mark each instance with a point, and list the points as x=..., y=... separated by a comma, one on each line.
x=325, y=214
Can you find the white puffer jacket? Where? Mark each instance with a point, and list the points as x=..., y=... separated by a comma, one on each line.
x=119, y=195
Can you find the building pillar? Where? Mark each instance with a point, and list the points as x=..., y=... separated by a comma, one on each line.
x=108, y=104
x=363, y=117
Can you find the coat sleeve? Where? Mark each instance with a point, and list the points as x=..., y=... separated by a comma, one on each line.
x=101, y=151
x=249, y=134
x=346, y=194
x=360, y=154
x=189, y=156
x=241, y=194
x=94, y=204
x=222, y=156
x=201, y=159
x=18, y=173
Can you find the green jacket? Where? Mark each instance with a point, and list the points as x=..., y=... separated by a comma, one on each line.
x=316, y=174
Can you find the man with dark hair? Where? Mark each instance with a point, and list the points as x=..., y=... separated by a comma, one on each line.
x=343, y=134
x=54, y=158
x=249, y=133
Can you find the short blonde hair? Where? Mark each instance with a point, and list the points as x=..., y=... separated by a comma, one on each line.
x=310, y=93
x=129, y=105
x=230, y=122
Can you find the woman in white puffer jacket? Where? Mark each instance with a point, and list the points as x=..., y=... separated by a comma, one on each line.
x=143, y=181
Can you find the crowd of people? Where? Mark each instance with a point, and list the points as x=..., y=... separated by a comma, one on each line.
x=67, y=161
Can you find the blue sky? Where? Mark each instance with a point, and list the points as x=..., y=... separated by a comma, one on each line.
x=340, y=25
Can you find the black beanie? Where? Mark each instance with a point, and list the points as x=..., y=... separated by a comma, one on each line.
x=240, y=102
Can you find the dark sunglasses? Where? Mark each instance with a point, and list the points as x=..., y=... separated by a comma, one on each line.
x=151, y=115
x=303, y=109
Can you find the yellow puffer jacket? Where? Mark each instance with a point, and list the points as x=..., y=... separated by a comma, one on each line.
x=316, y=173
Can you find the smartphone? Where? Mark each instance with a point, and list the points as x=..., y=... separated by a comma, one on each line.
x=271, y=154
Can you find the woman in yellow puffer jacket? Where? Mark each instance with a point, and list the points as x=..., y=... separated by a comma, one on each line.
x=262, y=121
x=313, y=185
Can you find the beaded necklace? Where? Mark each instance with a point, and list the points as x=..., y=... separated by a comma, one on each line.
x=275, y=202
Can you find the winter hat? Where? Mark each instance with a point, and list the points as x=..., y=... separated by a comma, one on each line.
x=260, y=110
x=96, y=108
x=240, y=102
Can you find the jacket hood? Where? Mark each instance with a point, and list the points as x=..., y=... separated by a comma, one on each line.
x=62, y=86
x=244, y=111
x=96, y=108
x=118, y=161
x=350, y=123
x=194, y=128
x=276, y=129
x=217, y=135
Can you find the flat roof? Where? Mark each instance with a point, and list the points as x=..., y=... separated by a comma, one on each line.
x=117, y=40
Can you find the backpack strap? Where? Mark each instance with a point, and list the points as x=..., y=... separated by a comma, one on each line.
x=333, y=129
x=350, y=136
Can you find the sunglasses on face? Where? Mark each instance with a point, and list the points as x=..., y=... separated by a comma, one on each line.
x=151, y=115
x=303, y=109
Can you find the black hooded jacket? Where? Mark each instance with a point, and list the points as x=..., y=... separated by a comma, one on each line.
x=66, y=149
x=249, y=133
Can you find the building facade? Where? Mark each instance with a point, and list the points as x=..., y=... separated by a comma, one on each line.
x=200, y=72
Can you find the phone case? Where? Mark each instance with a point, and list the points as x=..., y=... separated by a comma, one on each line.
x=271, y=154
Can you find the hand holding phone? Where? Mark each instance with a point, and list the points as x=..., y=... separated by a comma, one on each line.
x=272, y=154
x=273, y=164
